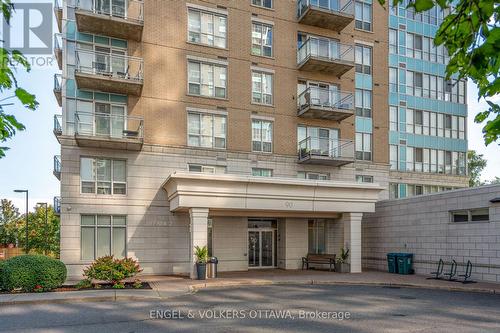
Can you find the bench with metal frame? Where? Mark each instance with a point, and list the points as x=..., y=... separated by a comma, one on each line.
x=325, y=259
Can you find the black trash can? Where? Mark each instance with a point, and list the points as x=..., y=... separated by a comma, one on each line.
x=212, y=267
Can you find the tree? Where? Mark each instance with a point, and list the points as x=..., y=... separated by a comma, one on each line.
x=471, y=34
x=10, y=60
x=495, y=180
x=9, y=214
x=475, y=164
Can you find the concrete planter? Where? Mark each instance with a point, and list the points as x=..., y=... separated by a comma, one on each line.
x=342, y=267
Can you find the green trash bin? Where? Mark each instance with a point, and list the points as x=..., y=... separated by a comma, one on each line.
x=392, y=262
x=404, y=263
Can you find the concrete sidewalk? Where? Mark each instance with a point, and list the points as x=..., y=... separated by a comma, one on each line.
x=165, y=287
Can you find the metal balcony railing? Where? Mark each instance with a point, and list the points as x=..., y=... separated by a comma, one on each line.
x=333, y=6
x=57, y=124
x=110, y=65
x=58, y=12
x=109, y=126
x=57, y=42
x=130, y=10
x=327, y=50
x=57, y=205
x=57, y=83
x=57, y=166
x=326, y=99
x=312, y=147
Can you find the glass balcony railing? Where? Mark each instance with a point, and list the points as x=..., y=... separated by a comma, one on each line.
x=328, y=151
x=326, y=103
x=329, y=14
x=110, y=65
x=57, y=166
x=131, y=10
x=57, y=124
x=57, y=205
x=58, y=88
x=326, y=50
x=58, y=45
x=109, y=126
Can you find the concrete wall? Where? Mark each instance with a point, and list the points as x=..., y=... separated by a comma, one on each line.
x=422, y=225
x=230, y=243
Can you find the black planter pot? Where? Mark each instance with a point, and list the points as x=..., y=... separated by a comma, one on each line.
x=201, y=269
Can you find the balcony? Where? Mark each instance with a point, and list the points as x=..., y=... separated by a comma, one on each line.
x=57, y=125
x=57, y=167
x=115, y=73
x=58, y=88
x=326, y=151
x=111, y=131
x=334, y=15
x=114, y=18
x=327, y=56
x=58, y=43
x=324, y=103
x=58, y=12
x=57, y=206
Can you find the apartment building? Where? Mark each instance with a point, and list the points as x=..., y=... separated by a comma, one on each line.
x=427, y=113
x=256, y=127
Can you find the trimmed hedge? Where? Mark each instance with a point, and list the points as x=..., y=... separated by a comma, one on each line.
x=1, y=265
x=33, y=272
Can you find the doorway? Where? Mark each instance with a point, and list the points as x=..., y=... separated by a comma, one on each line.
x=262, y=243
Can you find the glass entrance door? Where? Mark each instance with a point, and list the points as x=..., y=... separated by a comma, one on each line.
x=261, y=247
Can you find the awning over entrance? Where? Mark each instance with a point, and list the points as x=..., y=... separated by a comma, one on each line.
x=248, y=194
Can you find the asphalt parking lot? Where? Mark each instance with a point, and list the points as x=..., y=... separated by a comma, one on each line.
x=290, y=308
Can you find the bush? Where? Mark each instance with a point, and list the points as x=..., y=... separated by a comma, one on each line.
x=33, y=272
x=1, y=265
x=112, y=270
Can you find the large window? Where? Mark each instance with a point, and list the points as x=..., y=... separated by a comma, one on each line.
x=471, y=215
x=207, y=130
x=393, y=79
x=103, y=235
x=262, y=88
x=316, y=236
x=363, y=103
x=103, y=176
x=393, y=118
x=262, y=39
x=363, y=146
x=363, y=59
x=207, y=79
x=431, y=160
x=393, y=41
x=363, y=11
x=431, y=123
x=263, y=3
x=207, y=28
x=262, y=135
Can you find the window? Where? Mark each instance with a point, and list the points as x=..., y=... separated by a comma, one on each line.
x=207, y=28
x=262, y=88
x=363, y=146
x=393, y=79
x=393, y=152
x=363, y=11
x=206, y=168
x=206, y=79
x=103, y=176
x=313, y=175
x=263, y=3
x=364, y=179
x=393, y=41
x=262, y=135
x=316, y=236
x=471, y=215
x=262, y=39
x=206, y=130
x=259, y=172
x=103, y=235
x=393, y=118
x=393, y=191
x=363, y=59
x=363, y=101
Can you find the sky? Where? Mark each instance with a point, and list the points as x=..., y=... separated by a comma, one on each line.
x=29, y=162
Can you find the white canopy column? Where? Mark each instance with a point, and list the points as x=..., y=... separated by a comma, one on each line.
x=198, y=227
x=352, y=239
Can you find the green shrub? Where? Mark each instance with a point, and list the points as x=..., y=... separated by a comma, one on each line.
x=84, y=284
x=33, y=272
x=1, y=265
x=112, y=270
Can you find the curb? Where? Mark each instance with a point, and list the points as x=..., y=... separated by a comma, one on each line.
x=221, y=285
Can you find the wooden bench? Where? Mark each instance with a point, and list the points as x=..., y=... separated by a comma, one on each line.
x=326, y=259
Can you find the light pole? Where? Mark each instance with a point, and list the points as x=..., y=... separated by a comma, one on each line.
x=27, y=221
x=46, y=224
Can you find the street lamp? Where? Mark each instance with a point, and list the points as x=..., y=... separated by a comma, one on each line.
x=27, y=223
x=46, y=223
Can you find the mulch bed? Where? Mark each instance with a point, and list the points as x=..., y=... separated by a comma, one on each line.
x=103, y=286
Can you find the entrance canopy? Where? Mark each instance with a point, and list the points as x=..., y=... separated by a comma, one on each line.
x=236, y=195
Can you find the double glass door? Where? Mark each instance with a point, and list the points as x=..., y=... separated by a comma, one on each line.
x=109, y=120
x=262, y=247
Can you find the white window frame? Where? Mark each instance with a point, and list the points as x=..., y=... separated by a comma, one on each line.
x=213, y=86
x=201, y=115
x=261, y=5
x=263, y=76
x=111, y=182
x=263, y=39
x=210, y=36
x=97, y=226
x=261, y=122
x=258, y=172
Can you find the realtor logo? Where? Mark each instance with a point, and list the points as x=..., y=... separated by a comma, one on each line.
x=30, y=29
